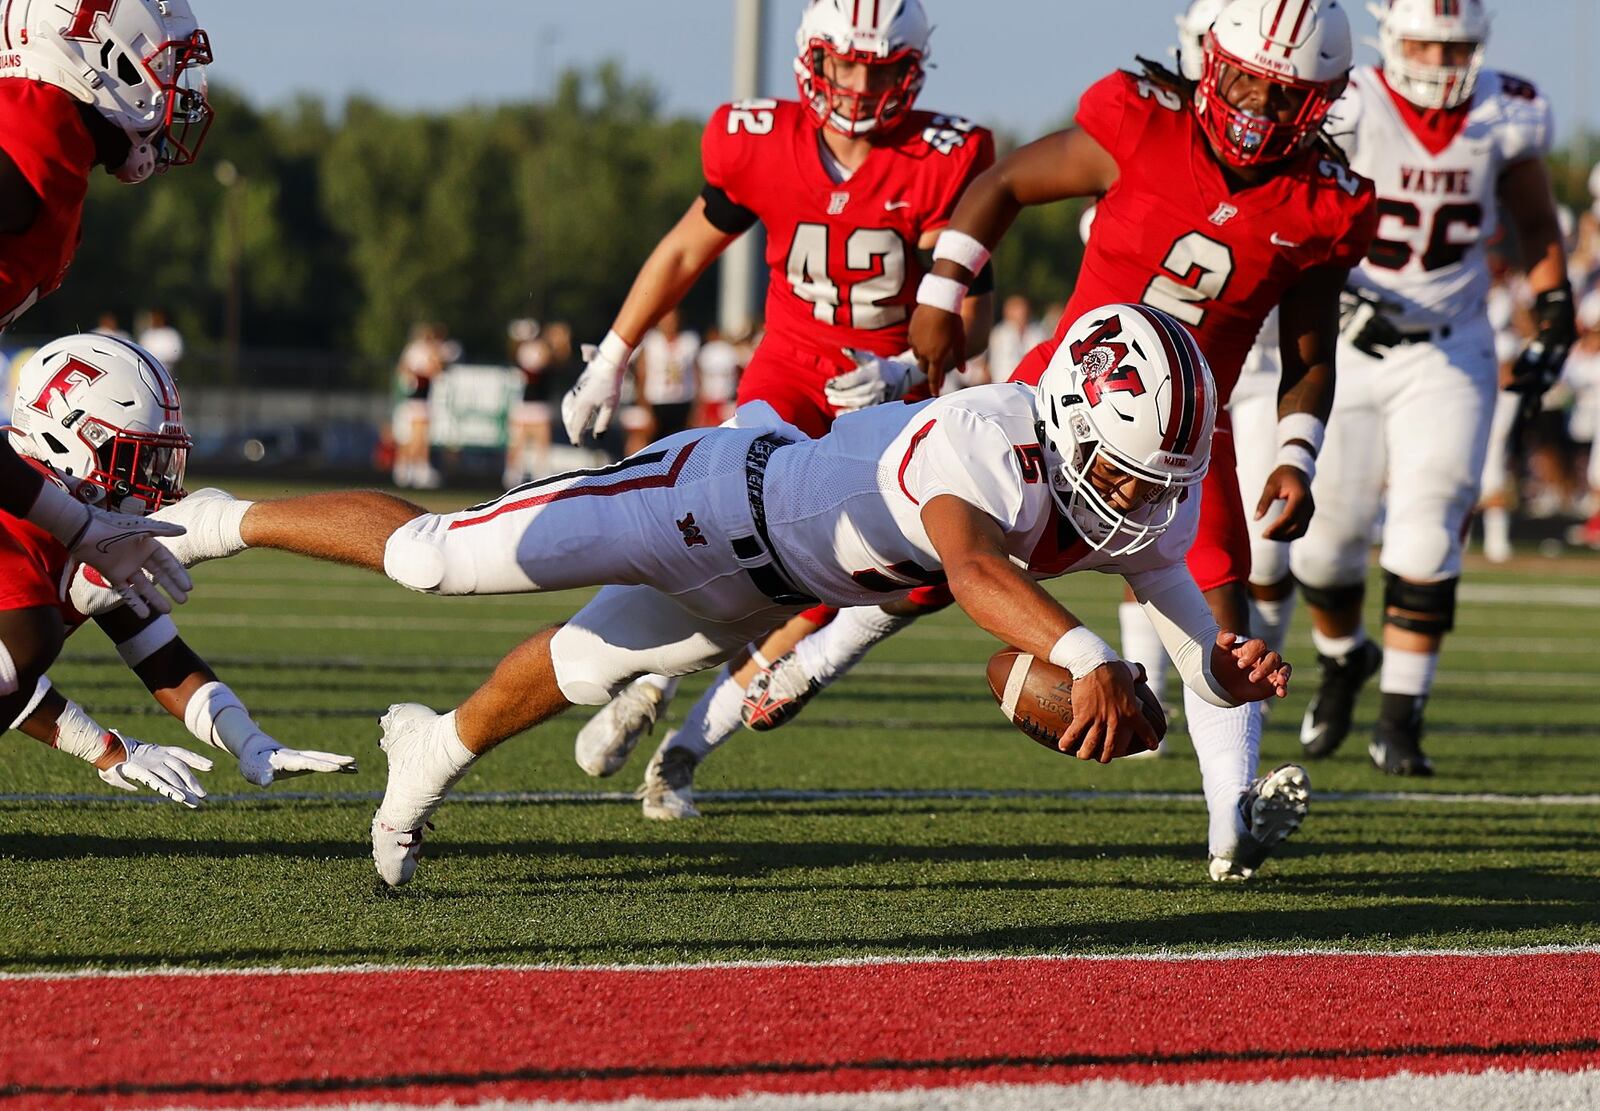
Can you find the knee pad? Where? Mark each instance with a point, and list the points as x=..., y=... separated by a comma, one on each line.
x=588, y=670
x=1333, y=597
x=415, y=558
x=1427, y=608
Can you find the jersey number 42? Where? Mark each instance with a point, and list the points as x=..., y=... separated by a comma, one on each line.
x=876, y=261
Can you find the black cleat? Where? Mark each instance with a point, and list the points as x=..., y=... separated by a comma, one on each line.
x=1396, y=748
x=1327, y=720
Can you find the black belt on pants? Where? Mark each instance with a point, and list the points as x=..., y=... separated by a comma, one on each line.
x=755, y=553
x=1427, y=335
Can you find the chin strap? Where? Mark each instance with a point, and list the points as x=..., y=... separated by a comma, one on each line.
x=140, y=163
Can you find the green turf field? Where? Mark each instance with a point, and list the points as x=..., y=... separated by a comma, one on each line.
x=318, y=652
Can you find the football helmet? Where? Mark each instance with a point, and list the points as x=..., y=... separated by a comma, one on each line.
x=103, y=416
x=1302, y=46
x=891, y=34
x=1194, y=23
x=1429, y=86
x=139, y=63
x=1127, y=394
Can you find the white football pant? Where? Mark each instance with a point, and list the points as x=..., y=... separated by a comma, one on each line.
x=1254, y=412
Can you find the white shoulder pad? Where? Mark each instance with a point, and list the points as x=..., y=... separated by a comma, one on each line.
x=1524, y=123
x=1344, y=118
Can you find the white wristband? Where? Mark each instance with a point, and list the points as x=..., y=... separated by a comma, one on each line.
x=216, y=717
x=1080, y=652
x=961, y=249
x=940, y=292
x=147, y=641
x=1293, y=455
x=1303, y=426
x=59, y=513
x=81, y=735
x=616, y=349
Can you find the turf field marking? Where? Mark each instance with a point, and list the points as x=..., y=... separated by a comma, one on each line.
x=910, y=794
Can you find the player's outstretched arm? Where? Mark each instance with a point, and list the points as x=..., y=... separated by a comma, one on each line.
x=1107, y=720
x=186, y=687
x=1221, y=667
x=666, y=277
x=1310, y=337
x=1531, y=208
x=121, y=761
x=1064, y=164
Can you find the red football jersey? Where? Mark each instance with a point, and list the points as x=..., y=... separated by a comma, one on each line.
x=41, y=130
x=35, y=570
x=1172, y=234
x=843, y=255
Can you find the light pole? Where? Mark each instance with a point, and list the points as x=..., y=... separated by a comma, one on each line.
x=740, y=262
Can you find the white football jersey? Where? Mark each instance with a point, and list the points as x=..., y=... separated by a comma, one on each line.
x=1437, y=212
x=845, y=512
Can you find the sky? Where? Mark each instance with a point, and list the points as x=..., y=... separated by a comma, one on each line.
x=1013, y=64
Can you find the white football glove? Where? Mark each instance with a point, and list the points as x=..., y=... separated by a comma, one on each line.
x=263, y=759
x=121, y=546
x=164, y=769
x=874, y=381
x=593, y=398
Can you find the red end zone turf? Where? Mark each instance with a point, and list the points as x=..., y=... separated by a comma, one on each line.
x=464, y=1035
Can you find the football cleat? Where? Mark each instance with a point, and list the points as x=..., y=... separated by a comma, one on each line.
x=667, y=793
x=777, y=694
x=1396, y=748
x=1327, y=720
x=609, y=738
x=1272, y=808
x=419, y=778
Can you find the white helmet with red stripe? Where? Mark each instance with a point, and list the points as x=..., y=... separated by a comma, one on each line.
x=1193, y=26
x=103, y=415
x=1302, y=46
x=1128, y=395
x=139, y=63
x=1454, y=21
x=887, y=35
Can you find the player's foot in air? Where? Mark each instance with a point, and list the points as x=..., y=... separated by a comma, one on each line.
x=609, y=738
x=667, y=793
x=1273, y=808
x=1327, y=720
x=425, y=761
x=777, y=694
x=1396, y=748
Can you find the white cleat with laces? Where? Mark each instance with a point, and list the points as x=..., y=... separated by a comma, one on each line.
x=426, y=759
x=1273, y=808
x=609, y=738
x=667, y=793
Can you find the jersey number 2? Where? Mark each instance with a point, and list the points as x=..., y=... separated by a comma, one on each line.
x=880, y=250
x=1197, y=270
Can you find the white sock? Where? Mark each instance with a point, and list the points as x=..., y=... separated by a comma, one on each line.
x=666, y=684
x=1228, y=742
x=1269, y=620
x=443, y=761
x=1496, y=528
x=839, y=645
x=713, y=718
x=1338, y=647
x=1141, y=644
x=1409, y=673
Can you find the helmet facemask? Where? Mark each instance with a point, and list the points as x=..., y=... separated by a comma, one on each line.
x=177, y=69
x=134, y=472
x=858, y=112
x=1247, y=138
x=1432, y=86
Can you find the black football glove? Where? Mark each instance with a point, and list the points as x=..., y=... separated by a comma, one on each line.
x=1364, y=322
x=1539, y=366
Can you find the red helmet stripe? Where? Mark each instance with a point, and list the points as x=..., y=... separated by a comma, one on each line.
x=1190, y=401
x=1300, y=21
x=1272, y=32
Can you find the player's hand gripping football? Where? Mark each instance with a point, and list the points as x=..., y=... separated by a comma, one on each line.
x=1290, y=486
x=1107, y=720
x=592, y=400
x=874, y=381
x=1248, y=670
x=263, y=760
x=939, y=342
x=166, y=770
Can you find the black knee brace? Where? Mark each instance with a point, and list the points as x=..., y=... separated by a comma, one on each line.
x=1427, y=608
x=1333, y=597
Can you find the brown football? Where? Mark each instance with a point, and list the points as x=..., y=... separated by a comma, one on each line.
x=1037, y=696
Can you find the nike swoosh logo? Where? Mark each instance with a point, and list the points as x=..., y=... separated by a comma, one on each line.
x=891, y=206
x=110, y=542
x=1278, y=241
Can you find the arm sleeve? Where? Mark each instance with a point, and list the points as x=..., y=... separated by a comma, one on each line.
x=723, y=214
x=1182, y=619
x=968, y=457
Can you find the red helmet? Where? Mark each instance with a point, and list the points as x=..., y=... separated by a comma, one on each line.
x=1301, y=46
x=892, y=34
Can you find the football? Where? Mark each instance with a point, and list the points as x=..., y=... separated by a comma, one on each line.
x=1037, y=696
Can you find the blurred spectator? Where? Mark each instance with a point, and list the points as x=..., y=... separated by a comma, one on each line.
x=1583, y=374
x=529, y=432
x=665, y=383
x=717, y=369
x=1013, y=336
x=161, y=339
x=1507, y=291
x=421, y=362
x=108, y=325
